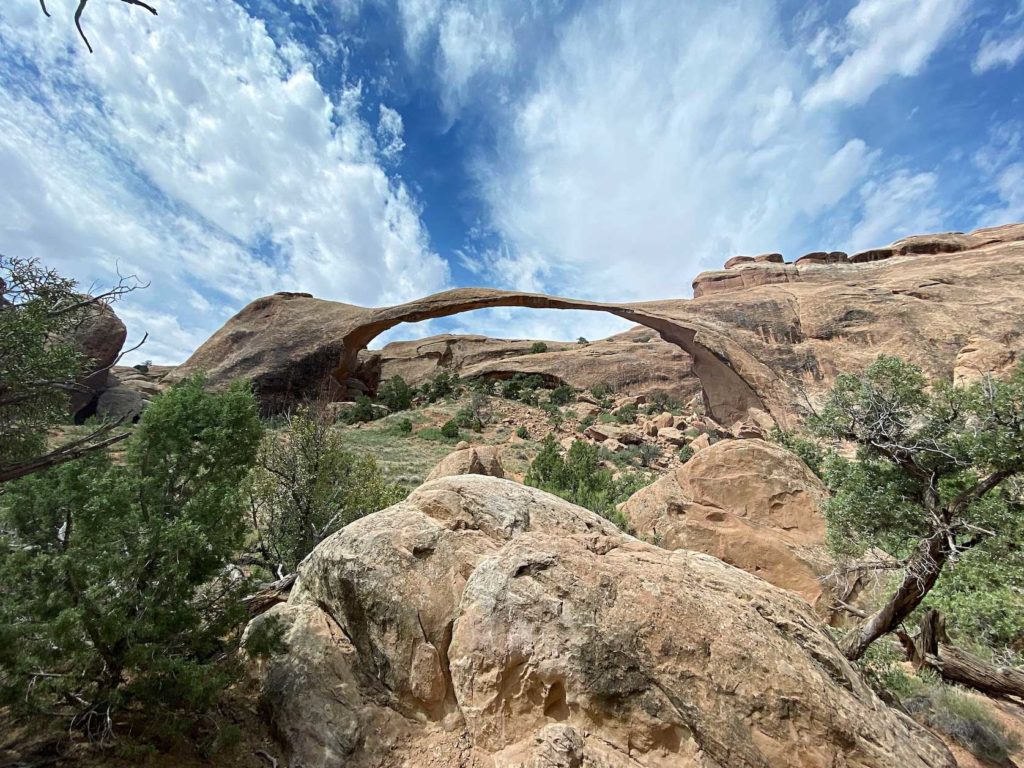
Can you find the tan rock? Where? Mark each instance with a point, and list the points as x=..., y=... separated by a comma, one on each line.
x=478, y=460
x=664, y=419
x=98, y=337
x=672, y=436
x=981, y=356
x=736, y=261
x=484, y=623
x=624, y=433
x=701, y=442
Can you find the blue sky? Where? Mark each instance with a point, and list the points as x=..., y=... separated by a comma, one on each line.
x=372, y=151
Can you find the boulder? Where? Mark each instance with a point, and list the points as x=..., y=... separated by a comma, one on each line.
x=119, y=403
x=672, y=436
x=750, y=503
x=701, y=442
x=873, y=254
x=98, y=337
x=477, y=460
x=484, y=623
x=664, y=419
x=624, y=433
x=770, y=258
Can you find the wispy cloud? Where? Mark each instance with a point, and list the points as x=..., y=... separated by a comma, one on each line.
x=1004, y=46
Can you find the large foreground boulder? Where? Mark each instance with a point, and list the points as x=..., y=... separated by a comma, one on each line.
x=484, y=623
x=98, y=337
x=750, y=503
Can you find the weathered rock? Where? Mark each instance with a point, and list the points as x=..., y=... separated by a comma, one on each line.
x=624, y=433
x=770, y=258
x=981, y=356
x=119, y=403
x=99, y=338
x=700, y=442
x=477, y=460
x=873, y=254
x=750, y=503
x=484, y=623
x=736, y=261
x=672, y=436
x=664, y=419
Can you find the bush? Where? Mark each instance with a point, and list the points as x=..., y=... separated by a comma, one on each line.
x=588, y=421
x=306, y=486
x=580, y=478
x=963, y=719
x=360, y=411
x=443, y=385
x=537, y=347
x=626, y=414
x=450, y=430
x=812, y=454
x=115, y=575
x=685, y=454
x=395, y=394
x=404, y=426
x=602, y=390
x=582, y=341
x=659, y=402
x=649, y=453
x=466, y=418
x=563, y=394
x=523, y=432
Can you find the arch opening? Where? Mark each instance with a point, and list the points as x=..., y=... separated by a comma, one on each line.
x=728, y=397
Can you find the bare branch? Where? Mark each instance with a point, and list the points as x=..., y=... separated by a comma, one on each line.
x=81, y=9
x=73, y=450
x=42, y=4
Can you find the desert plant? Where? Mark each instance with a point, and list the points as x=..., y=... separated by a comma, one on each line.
x=450, y=430
x=306, y=486
x=930, y=485
x=685, y=454
x=563, y=394
x=404, y=426
x=626, y=414
x=649, y=453
x=582, y=341
x=395, y=394
x=523, y=432
x=537, y=347
x=116, y=592
x=360, y=411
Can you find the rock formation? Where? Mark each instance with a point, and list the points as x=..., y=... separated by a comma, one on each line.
x=474, y=460
x=637, y=361
x=484, y=623
x=98, y=338
x=750, y=503
x=761, y=335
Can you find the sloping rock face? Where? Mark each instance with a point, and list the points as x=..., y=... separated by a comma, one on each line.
x=750, y=503
x=637, y=361
x=99, y=338
x=484, y=623
x=476, y=460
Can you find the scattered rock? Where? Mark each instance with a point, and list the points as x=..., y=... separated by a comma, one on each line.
x=478, y=460
x=672, y=436
x=119, y=403
x=736, y=261
x=624, y=433
x=701, y=442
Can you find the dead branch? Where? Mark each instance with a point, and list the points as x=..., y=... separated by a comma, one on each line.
x=81, y=10
x=73, y=450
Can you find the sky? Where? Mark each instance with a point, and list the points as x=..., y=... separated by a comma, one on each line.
x=375, y=151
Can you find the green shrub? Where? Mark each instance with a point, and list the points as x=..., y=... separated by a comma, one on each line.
x=537, y=347
x=443, y=385
x=450, y=430
x=582, y=341
x=649, y=453
x=685, y=454
x=404, y=426
x=114, y=572
x=963, y=719
x=659, y=402
x=523, y=432
x=466, y=418
x=360, y=411
x=812, y=454
x=395, y=394
x=580, y=478
x=602, y=390
x=563, y=394
x=588, y=421
x=626, y=414
x=307, y=486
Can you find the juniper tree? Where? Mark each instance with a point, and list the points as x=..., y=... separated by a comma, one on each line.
x=930, y=484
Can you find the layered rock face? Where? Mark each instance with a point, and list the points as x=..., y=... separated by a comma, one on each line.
x=637, y=361
x=484, y=623
x=750, y=503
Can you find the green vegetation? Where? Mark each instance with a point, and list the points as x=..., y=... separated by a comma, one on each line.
x=626, y=414
x=579, y=477
x=582, y=341
x=934, y=487
x=395, y=394
x=40, y=366
x=523, y=432
x=116, y=594
x=812, y=454
x=443, y=386
x=660, y=402
x=306, y=486
x=404, y=426
x=361, y=411
x=563, y=394
x=450, y=430
x=685, y=454
x=537, y=347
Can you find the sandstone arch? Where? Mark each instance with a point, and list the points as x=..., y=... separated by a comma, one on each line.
x=290, y=344
x=734, y=382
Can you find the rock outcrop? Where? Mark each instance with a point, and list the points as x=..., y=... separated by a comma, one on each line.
x=750, y=503
x=474, y=460
x=98, y=338
x=763, y=335
x=484, y=623
x=637, y=361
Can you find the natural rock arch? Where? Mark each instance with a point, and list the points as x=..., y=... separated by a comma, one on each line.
x=718, y=362
x=289, y=345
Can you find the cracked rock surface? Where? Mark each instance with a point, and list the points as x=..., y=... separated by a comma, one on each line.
x=484, y=623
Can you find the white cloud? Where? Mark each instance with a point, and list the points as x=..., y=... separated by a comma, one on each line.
x=1002, y=48
x=642, y=154
x=899, y=205
x=201, y=155
x=881, y=39
x=1003, y=173
x=389, y=133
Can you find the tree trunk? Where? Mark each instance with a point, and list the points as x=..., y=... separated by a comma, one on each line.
x=931, y=649
x=922, y=572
